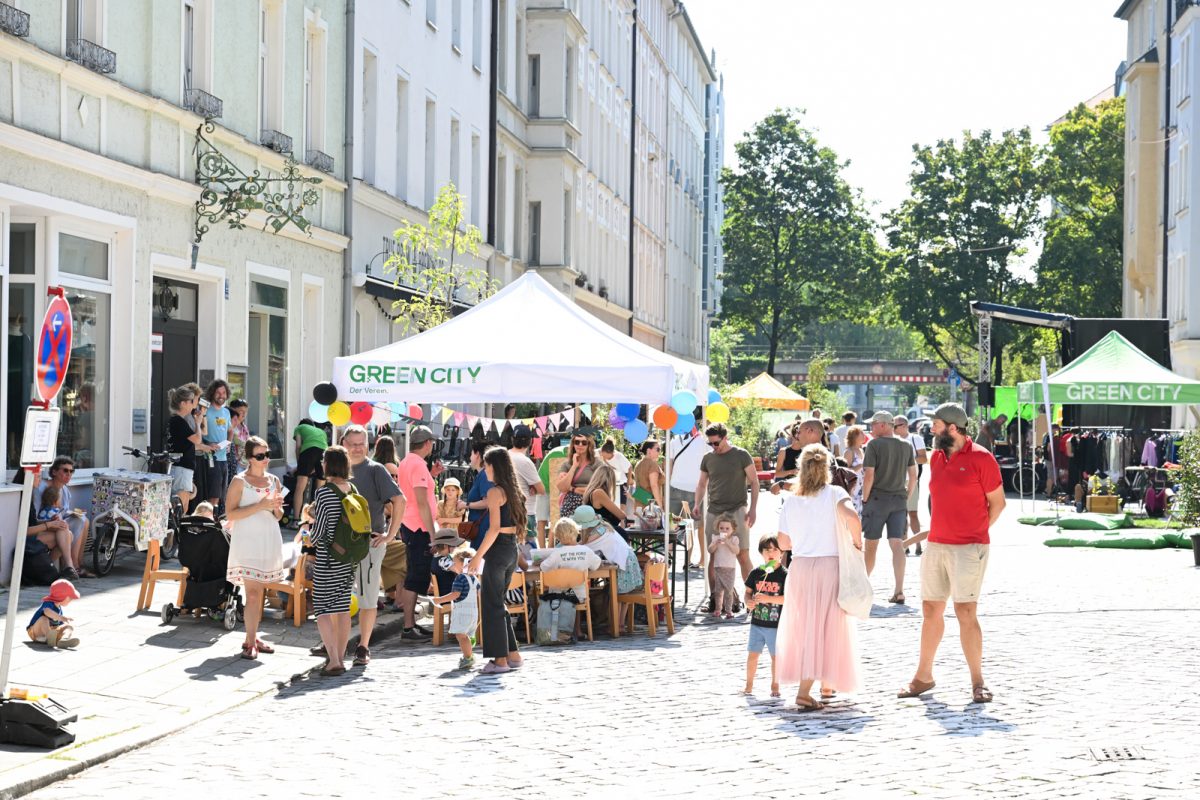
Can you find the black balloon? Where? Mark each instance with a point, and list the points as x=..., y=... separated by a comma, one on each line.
x=325, y=393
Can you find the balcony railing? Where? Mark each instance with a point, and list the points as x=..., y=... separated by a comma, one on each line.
x=279, y=142
x=13, y=20
x=92, y=56
x=318, y=160
x=203, y=103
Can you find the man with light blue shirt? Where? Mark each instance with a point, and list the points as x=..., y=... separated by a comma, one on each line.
x=219, y=426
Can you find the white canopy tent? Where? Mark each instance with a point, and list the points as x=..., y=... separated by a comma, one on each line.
x=527, y=343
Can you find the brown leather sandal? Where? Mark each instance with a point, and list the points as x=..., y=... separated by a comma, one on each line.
x=981, y=694
x=915, y=688
x=263, y=647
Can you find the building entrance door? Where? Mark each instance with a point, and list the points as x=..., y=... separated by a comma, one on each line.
x=173, y=357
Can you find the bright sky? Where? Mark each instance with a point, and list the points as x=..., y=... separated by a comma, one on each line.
x=876, y=77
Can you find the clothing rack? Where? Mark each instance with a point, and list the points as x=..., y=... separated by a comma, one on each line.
x=1168, y=430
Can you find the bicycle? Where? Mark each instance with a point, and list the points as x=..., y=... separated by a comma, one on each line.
x=113, y=527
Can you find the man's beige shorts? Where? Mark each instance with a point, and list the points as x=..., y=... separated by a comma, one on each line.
x=739, y=527
x=953, y=570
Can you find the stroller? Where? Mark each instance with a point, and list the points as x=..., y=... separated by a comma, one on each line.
x=204, y=550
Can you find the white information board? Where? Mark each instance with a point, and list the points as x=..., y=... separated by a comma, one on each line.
x=41, y=437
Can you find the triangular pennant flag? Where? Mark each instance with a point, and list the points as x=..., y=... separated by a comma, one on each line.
x=471, y=421
x=541, y=422
x=586, y=408
x=559, y=419
x=447, y=413
x=459, y=418
x=528, y=423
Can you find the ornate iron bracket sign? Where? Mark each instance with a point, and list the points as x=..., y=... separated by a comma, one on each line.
x=228, y=194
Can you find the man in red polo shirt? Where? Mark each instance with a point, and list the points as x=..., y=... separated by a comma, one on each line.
x=967, y=496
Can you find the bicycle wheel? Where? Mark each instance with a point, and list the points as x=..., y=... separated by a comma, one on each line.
x=104, y=547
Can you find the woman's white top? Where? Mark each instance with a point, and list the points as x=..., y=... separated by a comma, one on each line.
x=811, y=522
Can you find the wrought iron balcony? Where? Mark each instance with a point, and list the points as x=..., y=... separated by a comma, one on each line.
x=279, y=142
x=13, y=20
x=318, y=160
x=92, y=56
x=203, y=103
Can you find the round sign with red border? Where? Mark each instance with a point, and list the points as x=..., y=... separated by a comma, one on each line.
x=54, y=349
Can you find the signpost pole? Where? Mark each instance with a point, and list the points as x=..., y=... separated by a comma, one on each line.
x=14, y=586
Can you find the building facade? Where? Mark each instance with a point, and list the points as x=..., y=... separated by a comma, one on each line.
x=714, y=200
x=1159, y=74
x=101, y=112
x=422, y=73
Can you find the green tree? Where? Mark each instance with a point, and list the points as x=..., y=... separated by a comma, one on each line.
x=425, y=268
x=1079, y=271
x=818, y=394
x=959, y=236
x=723, y=340
x=795, y=232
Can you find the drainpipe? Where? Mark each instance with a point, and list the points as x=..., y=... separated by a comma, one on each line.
x=493, y=121
x=348, y=199
x=633, y=163
x=1166, y=201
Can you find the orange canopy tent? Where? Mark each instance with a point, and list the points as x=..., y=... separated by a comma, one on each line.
x=767, y=392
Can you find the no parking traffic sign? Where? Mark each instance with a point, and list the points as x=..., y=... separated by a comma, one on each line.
x=54, y=349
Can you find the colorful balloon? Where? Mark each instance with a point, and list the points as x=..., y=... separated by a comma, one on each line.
x=325, y=393
x=714, y=396
x=665, y=417
x=318, y=413
x=415, y=412
x=718, y=412
x=636, y=431
x=398, y=411
x=339, y=413
x=684, y=424
x=353, y=604
x=628, y=411
x=360, y=413
x=683, y=402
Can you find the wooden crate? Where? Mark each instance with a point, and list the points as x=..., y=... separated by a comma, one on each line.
x=1103, y=504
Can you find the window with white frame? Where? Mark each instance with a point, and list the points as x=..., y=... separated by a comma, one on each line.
x=315, y=103
x=476, y=175
x=1131, y=204
x=477, y=34
x=456, y=25
x=270, y=65
x=430, y=152
x=197, y=44
x=84, y=19
x=535, y=233
x=1184, y=179
x=402, y=125
x=431, y=13
x=1185, y=69
x=455, y=155
x=501, y=22
x=370, y=121
x=267, y=374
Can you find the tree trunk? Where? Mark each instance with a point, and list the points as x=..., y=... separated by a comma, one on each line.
x=774, y=341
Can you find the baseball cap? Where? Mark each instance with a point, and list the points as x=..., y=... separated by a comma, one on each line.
x=446, y=537
x=951, y=414
x=522, y=430
x=61, y=589
x=898, y=420
x=419, y=434
x=882, y=417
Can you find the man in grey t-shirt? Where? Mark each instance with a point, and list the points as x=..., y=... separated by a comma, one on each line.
x=889, y=476
x=373, y=482
x=726, y=473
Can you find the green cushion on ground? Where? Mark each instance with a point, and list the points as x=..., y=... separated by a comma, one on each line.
x=1081, y=522
x=1126, y=540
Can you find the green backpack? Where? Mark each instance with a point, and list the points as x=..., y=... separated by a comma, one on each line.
x=352, y=536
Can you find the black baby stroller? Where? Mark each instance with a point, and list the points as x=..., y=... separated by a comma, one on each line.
x=204, y=550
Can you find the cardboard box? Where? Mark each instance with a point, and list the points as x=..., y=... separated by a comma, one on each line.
x=1103, y=504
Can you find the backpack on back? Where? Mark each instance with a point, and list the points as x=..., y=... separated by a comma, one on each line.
x=352, y=536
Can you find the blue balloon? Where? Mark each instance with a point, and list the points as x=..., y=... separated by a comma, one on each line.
x=318, y=413
x=685, y=424
x=636, y=431
x=398, y=411
x=713, y=396
x=683, y=402
x=627, y=411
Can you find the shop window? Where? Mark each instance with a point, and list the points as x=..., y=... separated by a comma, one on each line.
x=266, y=376
x=83, y=426
x=86, y=258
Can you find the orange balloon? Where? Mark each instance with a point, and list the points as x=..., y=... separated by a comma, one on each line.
x=665, y=417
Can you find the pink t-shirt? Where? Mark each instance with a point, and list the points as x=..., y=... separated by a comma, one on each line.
x=413, y=476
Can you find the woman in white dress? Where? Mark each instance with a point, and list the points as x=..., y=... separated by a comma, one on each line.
x=254, y=504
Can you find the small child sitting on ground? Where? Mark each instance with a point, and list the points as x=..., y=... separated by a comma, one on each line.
x=49, y=625
x=464, y=613
x=51, y=497
x=724, y=548
x=764, y=601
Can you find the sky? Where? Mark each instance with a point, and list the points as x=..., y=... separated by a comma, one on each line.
x=875, y=77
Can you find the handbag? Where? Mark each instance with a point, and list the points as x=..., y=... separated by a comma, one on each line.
x=468, y=529
x=855, y=594
x=570, y=500
x=555, y=622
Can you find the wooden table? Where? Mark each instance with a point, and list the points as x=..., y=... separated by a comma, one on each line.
x=606, y=570
x=652, y=542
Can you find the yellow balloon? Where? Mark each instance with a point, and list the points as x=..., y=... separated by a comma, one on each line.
x=353, y=604
x=339, y=413
x=717, y=412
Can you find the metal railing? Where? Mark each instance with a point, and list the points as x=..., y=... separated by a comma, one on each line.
x=203, y=103
x=279, y=142
x=13, y=20
x=318, y=160
x=91, y=55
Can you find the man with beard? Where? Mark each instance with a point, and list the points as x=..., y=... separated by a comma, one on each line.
x=967, y=497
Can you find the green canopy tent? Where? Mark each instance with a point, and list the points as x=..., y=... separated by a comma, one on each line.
x=1006, y=404
x=1114, y=372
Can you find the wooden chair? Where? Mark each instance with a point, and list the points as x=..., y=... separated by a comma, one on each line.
x=563, y=579
x=522, y=608
x=652, y=571
x=153, y=572
x=297, y=591
x=441, y=613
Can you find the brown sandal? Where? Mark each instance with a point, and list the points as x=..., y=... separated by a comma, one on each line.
x=249, y=652
x=981, y=694
x=806, y=705
x=263, y=647
x=916, y=688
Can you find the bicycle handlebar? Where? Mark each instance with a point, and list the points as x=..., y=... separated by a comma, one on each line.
x=136, y=453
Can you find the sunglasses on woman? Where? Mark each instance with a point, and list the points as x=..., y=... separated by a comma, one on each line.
x=579, y=441
x=259, y=456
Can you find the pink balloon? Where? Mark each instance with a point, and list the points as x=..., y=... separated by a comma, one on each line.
x=415, y=412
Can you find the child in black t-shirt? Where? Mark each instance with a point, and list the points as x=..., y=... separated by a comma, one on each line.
x=764, y=601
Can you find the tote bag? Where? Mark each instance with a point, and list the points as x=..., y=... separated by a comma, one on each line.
x=854, y=587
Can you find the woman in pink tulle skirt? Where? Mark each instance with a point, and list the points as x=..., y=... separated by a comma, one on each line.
x=816, y=639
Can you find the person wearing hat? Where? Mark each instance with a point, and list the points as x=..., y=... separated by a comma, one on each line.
x=375, y=484
x=49, y=625
x=889, y=477
x=967, y=496
x=448, y=512
x=440, y=547
x=609, y=545
x=417, y=526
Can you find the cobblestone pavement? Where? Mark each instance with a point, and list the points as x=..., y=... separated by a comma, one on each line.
x=1083, y=649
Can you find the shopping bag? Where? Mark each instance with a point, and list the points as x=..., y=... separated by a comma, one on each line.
x=854, y=587
x=555, y=619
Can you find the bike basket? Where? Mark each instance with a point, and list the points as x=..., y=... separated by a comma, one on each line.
x=144, y=496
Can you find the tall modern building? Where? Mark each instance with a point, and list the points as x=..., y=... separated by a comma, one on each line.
x=713, y=252
x=1158, y=76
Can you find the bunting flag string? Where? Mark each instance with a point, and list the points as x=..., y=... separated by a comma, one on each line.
x=446, y=415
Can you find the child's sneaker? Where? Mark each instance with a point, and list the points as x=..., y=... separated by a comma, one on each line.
x=63, y=644
x=728, y=615
x=466, y=663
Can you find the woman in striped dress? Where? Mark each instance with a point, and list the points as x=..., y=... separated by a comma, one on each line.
x=333, y=581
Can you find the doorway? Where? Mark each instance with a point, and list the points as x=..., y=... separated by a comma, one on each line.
x=173, y=359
